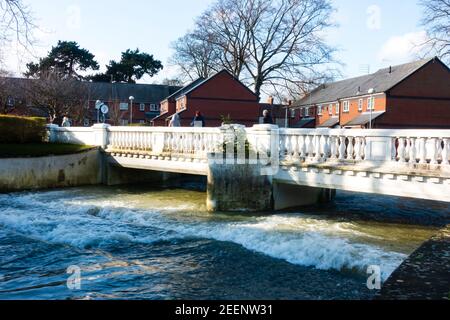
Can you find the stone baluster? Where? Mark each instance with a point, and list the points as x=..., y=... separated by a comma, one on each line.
x=412, y=151
x=342, y=148
x=334, y=147
x=358, y=149
x=407, y=149
x=302, y=147
x=296, y=154
x=350, y=148
x=445, y=152
x=433, y=151
x=317, y=154
x=326, y=147
x=401, y=150
x=423, y=151
x=288, y=147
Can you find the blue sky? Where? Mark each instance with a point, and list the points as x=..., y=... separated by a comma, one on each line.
x=371, y=32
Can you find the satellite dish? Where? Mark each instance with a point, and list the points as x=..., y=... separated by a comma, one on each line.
x=104, y=109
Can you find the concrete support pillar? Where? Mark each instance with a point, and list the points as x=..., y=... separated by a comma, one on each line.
x=238, y=187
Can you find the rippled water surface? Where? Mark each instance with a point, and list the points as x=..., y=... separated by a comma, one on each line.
x=137, y=243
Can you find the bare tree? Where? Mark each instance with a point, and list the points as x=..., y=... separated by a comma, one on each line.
x=437, y=21
x=196, y=57
x=16, y=23
x=271, y=45
x=58, y=97
x=115, y=114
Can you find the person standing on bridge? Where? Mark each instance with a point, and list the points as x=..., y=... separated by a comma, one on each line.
x=198, y=119
x=175, y=121
x=267, y=118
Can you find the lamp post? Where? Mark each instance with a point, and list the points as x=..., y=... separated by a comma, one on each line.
x=98, y=104
x=131, y=109
x=371, y=91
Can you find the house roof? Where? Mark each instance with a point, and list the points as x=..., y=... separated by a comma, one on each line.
x=199, y=82
x=184, y=90
x=364, y=118
x=381, y=81
x=143, y=93
x=303, y=122
x=329, y=123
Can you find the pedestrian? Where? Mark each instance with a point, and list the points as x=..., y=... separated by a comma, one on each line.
x=267, y=118
x=175, y=121
x=65, y=122
x=199, y=120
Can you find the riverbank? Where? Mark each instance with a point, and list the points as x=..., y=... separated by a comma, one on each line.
x=31, y=150
x=18, y=174
x=425, y=275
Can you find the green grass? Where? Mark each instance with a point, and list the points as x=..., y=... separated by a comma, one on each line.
x=27, y=150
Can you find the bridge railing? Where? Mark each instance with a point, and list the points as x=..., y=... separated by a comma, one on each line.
x=165, y=142
x=399, y=147
x=349, y=145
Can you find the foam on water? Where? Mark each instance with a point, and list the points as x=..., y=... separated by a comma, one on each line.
x=83, y=222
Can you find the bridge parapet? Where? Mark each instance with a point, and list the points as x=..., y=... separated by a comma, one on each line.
x=420, y=149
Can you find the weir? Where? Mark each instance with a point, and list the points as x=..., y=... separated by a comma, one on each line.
x=266, y=167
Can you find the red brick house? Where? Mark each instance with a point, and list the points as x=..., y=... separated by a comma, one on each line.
x=216, y=97
x=412, y=95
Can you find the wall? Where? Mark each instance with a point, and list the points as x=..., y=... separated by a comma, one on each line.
x=421, y=101
x=346, y=117
x=51, y=172
x=222, y=95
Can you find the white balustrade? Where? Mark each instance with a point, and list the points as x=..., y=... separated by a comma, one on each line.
x=400, y=147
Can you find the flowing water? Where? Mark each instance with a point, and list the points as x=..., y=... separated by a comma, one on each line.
x=140, y=243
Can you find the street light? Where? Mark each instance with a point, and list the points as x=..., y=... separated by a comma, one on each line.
x=98, y=105
x=131, y=109
x=371, y=92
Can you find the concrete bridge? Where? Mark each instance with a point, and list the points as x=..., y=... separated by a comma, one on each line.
x=266, y=167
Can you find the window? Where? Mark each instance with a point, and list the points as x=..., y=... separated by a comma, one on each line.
x=123, y=106
x=330, y=109
x=370, y=103
x=360, y=105
x=346, y=107
x=337, y=108
x=142, y=121
x=319, y=110
x=123, y=122
x=154, y=107
x=306, y=112
x=142, y=107
x=293, y=113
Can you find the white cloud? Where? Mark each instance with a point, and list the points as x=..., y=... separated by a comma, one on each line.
x=402, y=48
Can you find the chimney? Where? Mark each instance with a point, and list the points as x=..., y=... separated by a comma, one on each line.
x=289, y=103
x=390, y=69
x=270, y=100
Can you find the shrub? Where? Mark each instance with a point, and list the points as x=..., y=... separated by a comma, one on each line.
x=15, y=129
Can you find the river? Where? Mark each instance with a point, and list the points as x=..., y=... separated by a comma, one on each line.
x=140, y=243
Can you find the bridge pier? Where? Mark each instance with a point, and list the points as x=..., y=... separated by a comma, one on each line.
x=238, y=187
x=243, y=187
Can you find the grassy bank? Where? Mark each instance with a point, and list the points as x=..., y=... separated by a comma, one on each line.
x=27, y=150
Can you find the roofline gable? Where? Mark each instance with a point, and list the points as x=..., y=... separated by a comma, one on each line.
x=215, y=75
x=431, y=60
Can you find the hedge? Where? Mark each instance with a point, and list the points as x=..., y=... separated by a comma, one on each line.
x=15, y=129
